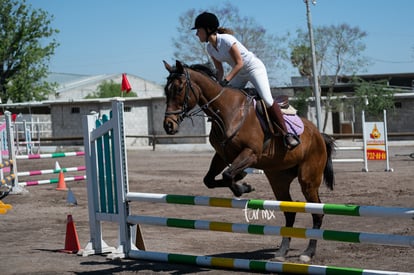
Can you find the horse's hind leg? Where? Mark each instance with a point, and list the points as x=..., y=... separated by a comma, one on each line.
x=280, y=182
x=311, y=193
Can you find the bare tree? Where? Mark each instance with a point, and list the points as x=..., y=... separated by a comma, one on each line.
x=339, y=51
x=266, y=46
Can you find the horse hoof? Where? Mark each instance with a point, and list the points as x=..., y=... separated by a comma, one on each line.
x=236, y=191
x=240, y=189
x=247, y=188
x=305, y=258
x=280, y=258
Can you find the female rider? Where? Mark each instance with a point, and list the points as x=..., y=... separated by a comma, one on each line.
x=245, y=66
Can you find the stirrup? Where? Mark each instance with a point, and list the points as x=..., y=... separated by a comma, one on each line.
x=291, y=141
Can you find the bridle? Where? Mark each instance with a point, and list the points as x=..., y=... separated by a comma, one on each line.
x=185, y=111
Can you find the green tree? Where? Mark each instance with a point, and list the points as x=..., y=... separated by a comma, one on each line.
x=339, y=51
x=26, y=46
x=338, y=48
x=266, y=46
x=110, y=89
x=300, y=102
x=373, y=97
x=301, y=58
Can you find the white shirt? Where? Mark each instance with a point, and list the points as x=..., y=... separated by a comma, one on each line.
x=253, y=68
x=224, y=43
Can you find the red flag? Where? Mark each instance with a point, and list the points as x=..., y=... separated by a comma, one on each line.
x=125, y=84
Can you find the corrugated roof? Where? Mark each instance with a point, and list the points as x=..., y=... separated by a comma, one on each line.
x=75, y=86
x=62, y=78
x=68, y=81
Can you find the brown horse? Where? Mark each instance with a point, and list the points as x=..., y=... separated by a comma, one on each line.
x=238, y=136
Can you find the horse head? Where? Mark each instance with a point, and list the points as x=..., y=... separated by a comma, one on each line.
x=181, y=96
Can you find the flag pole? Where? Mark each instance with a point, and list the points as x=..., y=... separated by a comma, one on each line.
x=122, y=86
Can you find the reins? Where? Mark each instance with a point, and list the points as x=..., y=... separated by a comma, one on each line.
x=205, y=106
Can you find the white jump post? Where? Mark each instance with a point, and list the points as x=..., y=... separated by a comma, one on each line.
x=107, y=180
x=16, y=189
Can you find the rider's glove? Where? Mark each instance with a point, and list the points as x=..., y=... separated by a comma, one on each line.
x=224, y=82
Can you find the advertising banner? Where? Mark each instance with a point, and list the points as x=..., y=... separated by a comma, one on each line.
x=375, y=141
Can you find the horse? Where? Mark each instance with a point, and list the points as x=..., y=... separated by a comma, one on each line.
x=238, y=138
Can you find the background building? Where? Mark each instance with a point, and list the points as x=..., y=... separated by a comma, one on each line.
x=74, y=86
x=60, y=117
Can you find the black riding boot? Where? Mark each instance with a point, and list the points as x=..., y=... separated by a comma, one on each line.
x=290, y=140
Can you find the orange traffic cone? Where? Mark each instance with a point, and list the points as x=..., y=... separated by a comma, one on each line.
x=72, y=241
x=61, y=186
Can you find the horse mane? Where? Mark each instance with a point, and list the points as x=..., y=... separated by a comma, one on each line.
x=204, y=69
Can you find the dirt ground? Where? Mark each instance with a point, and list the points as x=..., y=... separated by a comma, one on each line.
x=33, y=232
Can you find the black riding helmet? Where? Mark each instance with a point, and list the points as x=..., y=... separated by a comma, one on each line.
x=207, y=21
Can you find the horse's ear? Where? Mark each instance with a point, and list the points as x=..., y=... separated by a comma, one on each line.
x=180, y=66
x=167, y=66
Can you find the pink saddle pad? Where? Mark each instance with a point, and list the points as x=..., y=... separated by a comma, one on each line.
x=294, y=124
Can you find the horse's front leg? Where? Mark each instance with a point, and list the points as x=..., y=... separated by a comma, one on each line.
x=235, y=172
x=217, y=165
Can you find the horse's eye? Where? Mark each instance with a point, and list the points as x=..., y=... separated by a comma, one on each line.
x=171, y=91
x=176, y=89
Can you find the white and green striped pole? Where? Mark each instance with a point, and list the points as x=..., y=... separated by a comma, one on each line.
x=328, y=235
x=253, y=265
x=304, y=207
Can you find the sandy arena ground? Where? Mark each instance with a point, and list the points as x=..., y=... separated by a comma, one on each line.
x=33, y=232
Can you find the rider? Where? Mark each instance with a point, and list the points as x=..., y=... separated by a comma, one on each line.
x=224, y=47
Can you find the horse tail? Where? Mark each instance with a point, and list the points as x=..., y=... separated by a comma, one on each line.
x=328, y=173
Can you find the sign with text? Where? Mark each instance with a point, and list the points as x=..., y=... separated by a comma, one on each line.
x=374, y=136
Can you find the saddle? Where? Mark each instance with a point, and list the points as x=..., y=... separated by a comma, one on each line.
x=284, y=105
x=294, y=124
x=282, y=100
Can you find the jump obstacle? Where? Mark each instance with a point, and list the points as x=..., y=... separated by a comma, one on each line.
x=7, y=143
x=109, y=201
x=27, y=134
x=50, y=171
x=5, y=182
x=358, y=149
x=361, y=149
x=374, y=144
x=7, y=165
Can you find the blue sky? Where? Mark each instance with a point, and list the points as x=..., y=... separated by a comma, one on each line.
x=134, y=36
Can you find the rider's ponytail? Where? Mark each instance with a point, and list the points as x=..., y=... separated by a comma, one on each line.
x=222, y=30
